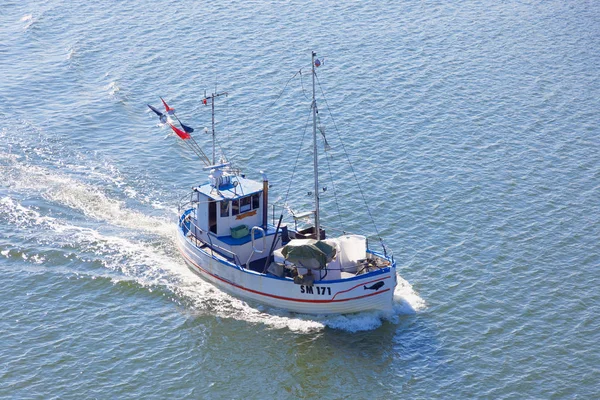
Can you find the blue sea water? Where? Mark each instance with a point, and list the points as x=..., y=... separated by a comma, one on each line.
x=473, y=129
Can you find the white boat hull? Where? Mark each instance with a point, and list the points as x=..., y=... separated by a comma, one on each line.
x=370, y=291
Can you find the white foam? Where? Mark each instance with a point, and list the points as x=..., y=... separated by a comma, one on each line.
x=130, y=192
x=28, y=20
x=113, y=88
x=21, y=216
x=84, y=197
x=406, y=300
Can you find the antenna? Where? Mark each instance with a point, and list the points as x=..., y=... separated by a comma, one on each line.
x=211, y=99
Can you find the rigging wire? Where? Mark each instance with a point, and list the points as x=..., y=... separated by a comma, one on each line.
x=280, y=94
x=351, y=166
x=226, y=120
x=226, y=131
x=224, y=155
x=302, y=83
x=329, y=157
x=299, y=72
x=198, y=150
x=337, y=205
x=296, y=162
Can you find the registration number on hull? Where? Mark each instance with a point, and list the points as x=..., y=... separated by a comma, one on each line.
x=321, y=290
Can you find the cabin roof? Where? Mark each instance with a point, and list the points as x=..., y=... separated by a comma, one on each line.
x=231, y=191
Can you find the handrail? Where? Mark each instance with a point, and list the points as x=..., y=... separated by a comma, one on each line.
x=254, y=249
x=264, y=238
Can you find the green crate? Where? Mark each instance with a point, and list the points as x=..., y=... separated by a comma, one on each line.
x=239, y=231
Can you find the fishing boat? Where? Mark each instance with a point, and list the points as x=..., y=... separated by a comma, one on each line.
x=225, y=236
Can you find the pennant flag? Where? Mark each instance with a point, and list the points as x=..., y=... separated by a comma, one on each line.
x=161, y=116
x=185, y=133
x=168, y=109
x=182, y=134
x=186, y=128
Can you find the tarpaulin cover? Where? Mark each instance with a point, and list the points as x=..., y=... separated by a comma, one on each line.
x=308, y=253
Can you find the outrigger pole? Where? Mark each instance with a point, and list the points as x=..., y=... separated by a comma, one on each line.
x=196, y=149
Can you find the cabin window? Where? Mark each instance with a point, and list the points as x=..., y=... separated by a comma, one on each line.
x=224, y=208
x=245, y=204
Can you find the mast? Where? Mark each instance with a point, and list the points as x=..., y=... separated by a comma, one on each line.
x=316, y=158
x=211, y=98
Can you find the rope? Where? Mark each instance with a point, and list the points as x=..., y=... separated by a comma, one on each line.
x=337, y=205
x=280, y=94
x=295, y=163
x=302, y=83
x=198, y=150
